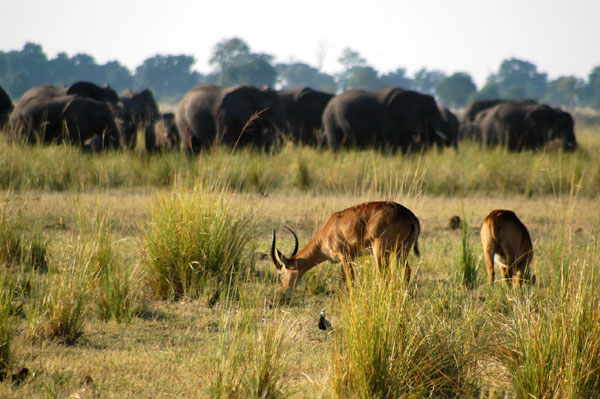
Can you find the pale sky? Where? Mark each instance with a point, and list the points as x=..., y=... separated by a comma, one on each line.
x=560, y=37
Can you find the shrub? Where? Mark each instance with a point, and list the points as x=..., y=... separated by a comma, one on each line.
x=195, y=240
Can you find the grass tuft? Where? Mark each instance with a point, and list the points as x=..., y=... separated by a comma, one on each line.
x=197, y=240
x=385, y=347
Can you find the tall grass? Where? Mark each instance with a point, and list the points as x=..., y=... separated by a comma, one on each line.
x=447, y=172
x=387, y=347
x=57, y=307
x=467, y=260
x=7, y=289
x=196, y=240
x=113, y=292
x=251, y=360
x=550, y=344
x=18, y=246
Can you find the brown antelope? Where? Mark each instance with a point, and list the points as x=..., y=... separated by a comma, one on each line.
x=506, y=241
x=379, y=227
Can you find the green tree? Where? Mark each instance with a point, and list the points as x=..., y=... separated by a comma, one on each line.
x=254, y=69
x=365, y=78
x=24, y=69
x=351, y=61
x=426, y=81
x=591, y=91
x=291, y=76
x=228, y=50
x=398, y=78
x=564, y=91
x=168, y=76
x=489, y=91
x=520, y=79
x=236, y=64
x=455, y=90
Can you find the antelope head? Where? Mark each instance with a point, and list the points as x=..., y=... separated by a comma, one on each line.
x=289, y=272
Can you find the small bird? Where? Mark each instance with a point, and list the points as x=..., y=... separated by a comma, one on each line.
x=324, y=324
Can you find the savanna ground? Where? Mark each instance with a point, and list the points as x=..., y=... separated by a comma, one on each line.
x=135, y=276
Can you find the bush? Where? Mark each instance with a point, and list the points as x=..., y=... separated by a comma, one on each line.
x=386, y=347
x=197, y=240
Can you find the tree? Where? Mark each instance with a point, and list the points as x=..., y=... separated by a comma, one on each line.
x=426, y=81
x=398, y=78
x=520, y=79
x=352, y=62
x=591, y=91
x=167, y=75
x=24, y=69
x=455, y=90
x=564, y=91
x=236, y=64
x=489, y=91
x=365, y=78
x=291, y=76
x=254, y=69
x=118, y=76
x=227, y=50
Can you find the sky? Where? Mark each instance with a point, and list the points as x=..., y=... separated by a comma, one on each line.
x=474, y=36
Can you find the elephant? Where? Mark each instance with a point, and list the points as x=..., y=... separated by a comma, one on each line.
x=239, y=116
x=389, y=119
x=468, y=128
x=450, y=126
x=39, y=95
x=6, y=107
x=91, y=90
x=304, y=110
x=71, y=118
x=525, y=125
x=162, y=134
x=142, y=105
x=477, y=106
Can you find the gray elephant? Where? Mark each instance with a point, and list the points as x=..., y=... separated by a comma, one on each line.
x=469, y=127
x=389, y=119
x=450, y=127
x=304, y=111
x=6, y=107
x=525, y=125
x=74, y=119
x=123, y=117
x=162, y=134
x=477, y=106
x=142, y=105
x=50, y=114
x=91, y=90
x=238, y=116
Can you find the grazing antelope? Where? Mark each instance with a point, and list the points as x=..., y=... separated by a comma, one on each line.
x=379, y=227
x=506, y=241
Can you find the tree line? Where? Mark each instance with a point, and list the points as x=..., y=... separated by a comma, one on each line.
x=233, y=62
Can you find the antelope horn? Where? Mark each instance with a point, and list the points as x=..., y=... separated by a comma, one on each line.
x=275, y=254
x=295, y=242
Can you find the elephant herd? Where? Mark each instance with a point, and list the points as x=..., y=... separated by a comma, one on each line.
x=97, y=118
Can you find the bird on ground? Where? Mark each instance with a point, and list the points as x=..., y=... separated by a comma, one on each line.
x=324, y=324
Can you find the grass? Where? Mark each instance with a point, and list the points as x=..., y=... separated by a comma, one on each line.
x=6, y=326
x=196, y=241
x=450, y=172
x=386, y=347
x=137, y=297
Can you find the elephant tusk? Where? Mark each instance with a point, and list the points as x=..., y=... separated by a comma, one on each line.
x=441, y=135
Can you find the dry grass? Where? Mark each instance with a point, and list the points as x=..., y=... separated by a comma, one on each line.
x=261, y=346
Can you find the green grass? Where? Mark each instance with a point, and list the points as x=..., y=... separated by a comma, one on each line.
x=386, y=347
x=7, y=290
x=196, y=240
x=449, y=172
